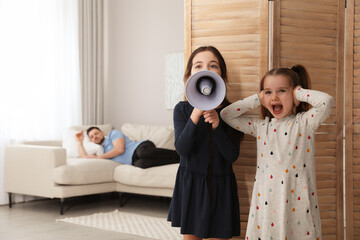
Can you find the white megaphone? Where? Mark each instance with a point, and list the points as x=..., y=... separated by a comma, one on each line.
x=205, y=90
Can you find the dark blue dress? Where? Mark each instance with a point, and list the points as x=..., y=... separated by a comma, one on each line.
x=191, y=207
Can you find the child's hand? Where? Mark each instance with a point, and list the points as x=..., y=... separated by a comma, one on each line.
x=195, y=115
x=212, y=117
x=261, y=97
x=79, y=136
x=296, y=101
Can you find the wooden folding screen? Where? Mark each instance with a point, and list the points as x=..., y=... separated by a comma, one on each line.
x=307, y=32
x=312, y=33
x=352, y=120
x=239, y=29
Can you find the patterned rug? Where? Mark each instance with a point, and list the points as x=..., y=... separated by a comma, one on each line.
x=134, y=224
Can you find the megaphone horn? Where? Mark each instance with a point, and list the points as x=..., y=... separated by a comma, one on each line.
x=205, y=90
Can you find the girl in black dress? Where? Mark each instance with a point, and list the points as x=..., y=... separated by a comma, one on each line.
x=205, y=202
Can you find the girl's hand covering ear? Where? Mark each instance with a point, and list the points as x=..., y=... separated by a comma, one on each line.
x=261, y=97
x=296, y=101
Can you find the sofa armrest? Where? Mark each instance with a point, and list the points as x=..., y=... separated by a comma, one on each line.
x=53, y=143
x=29, y=168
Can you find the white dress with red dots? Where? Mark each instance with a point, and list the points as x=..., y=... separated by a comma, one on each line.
x=284, y=204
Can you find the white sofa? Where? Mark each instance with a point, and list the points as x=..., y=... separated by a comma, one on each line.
x=42, y=168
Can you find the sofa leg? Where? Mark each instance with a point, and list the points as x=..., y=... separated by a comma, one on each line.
x=122, y=199
x=62, y=200
x=10, y=200
x=113, y=195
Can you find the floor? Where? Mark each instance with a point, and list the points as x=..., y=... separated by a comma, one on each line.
x=37, y=219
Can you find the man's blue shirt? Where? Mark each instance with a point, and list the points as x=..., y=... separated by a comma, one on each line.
x=130, y=146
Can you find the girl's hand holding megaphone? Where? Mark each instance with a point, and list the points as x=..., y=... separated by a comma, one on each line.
x=195, y=115
x=212, y=117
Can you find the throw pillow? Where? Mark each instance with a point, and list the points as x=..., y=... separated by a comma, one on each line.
x=162, y=136
x=92, y=148
x=69, y=143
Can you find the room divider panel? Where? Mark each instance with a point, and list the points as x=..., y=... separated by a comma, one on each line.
x=312, y=33
x=352, y=120
x=302, y=32
x=239, y=29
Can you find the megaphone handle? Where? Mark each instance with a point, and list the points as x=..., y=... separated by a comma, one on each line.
x=210, y=169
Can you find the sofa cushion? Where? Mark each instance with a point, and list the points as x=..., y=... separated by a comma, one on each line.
x=158, y=177
x=162, y=136
x=85, y=171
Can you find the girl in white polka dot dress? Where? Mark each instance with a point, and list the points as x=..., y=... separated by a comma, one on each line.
x=284, y=203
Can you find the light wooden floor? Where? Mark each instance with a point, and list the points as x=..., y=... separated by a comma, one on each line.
x=37, y=219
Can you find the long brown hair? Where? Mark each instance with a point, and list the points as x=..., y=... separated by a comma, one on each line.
x=222, y=65
x=297, y=75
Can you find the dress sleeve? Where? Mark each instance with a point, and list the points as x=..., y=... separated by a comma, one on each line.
x=228, y=149
x=321, y=103
x=185, y=131
x=233, y=114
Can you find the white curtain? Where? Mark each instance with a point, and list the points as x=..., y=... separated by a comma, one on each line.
x=91, y=60
x=39, y=72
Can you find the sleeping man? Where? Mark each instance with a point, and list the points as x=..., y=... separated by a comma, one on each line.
x=118, y=147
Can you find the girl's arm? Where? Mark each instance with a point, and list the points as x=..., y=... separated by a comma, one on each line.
x=222, y=141
x=232, y=114
x=228, y=149
x=322, y=104
x=185, y=131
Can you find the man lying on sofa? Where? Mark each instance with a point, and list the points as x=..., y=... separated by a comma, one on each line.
x=118, y=147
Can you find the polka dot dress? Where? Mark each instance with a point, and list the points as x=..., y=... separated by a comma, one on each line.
x=284, y=204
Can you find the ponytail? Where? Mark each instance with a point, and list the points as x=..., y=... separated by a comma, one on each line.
x=304, y=81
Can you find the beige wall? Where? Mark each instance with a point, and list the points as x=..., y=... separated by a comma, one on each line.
x=138, y=36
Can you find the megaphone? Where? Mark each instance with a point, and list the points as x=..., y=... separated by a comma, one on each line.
x=205, y=90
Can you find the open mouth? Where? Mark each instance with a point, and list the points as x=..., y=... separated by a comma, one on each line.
x=277, y=108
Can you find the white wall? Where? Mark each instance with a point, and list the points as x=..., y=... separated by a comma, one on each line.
x=138, y=35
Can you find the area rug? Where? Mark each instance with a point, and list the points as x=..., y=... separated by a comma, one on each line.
x=134, y=224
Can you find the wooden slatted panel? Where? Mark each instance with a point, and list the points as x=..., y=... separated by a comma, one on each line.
x=239, y=29
x=352, y=120
x=311, y=33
